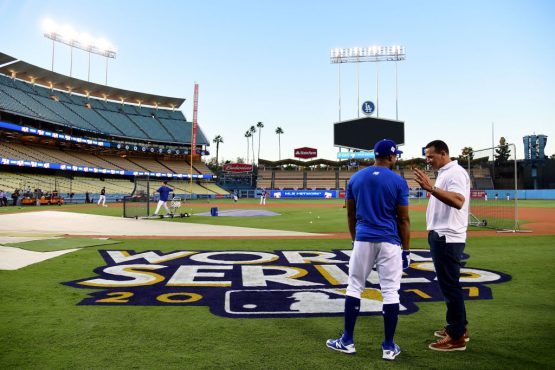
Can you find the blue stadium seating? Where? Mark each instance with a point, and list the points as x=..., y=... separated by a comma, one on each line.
x=40, y=110
x=124, y=124
x=95, y=103
x=40, y=90
x=95, y=119
x=179, y=129
x=107, y=117
x=159, y=113
x=177, y=114
x=24, y=86
x=128, y=109
x=69, y=115
x=12, y=105
x=113, y=107
x=77, y=100
x=152, y=127
x=63, y=97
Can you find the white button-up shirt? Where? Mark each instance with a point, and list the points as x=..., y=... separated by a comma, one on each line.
x=440, y=217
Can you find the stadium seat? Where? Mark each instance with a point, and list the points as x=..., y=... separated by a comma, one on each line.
x=152, y=127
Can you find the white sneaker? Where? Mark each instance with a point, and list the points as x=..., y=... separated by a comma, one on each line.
x=389, y=353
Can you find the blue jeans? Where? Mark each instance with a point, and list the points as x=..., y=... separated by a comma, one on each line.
x=447, y=263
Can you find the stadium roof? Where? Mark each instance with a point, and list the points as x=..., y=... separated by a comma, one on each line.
x=4, y=58
x=37, y=75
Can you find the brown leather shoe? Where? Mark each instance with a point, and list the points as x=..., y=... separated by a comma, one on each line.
x=443, y=333
x=448, y=344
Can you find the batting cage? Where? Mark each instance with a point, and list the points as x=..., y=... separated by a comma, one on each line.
x=137, y=204
x=494, y=188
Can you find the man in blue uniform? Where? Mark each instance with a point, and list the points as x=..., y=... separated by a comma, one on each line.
x=379, y=224
x=164, y=191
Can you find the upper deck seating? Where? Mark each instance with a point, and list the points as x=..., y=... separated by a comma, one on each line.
x=152, y=127
x=95, y=115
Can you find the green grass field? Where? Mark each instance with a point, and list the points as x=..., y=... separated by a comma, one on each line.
x=42, y=327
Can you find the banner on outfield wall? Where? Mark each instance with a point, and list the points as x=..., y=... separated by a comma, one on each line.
x=306, y=153
x=238, y=167
x=325, y=194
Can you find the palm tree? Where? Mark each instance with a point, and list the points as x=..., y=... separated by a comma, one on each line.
x=252, y=130
x=467, y=154
x=503, y=153
x=217, y=140
x=248, y=135
x=279, y=131
x=260, y=125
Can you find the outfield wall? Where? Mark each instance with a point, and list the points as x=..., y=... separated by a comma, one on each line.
x=522, y=194
x=327, y=194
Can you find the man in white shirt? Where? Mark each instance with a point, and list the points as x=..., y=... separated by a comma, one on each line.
x=447, y=221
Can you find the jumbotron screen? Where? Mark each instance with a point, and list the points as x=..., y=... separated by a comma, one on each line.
x=363, y=133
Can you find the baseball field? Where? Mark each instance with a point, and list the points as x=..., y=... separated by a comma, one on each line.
x=82, y=288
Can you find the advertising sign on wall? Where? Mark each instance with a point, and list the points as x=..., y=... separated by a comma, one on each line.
x=238, y=167
x=326, y=194
x=306, y=153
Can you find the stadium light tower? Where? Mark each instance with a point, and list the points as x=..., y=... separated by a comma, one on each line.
x=376, y=54
x=66, y=35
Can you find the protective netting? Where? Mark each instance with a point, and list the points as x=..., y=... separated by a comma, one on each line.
x=138, y=203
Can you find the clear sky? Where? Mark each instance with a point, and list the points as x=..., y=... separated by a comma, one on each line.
x=469, y=63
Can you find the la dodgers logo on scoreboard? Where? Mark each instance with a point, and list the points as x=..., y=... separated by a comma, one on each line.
x=368, y=108
x=262, y=284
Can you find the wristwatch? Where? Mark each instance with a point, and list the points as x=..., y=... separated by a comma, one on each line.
x=433, y=190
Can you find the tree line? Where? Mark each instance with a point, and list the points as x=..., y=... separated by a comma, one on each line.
x=249, y=135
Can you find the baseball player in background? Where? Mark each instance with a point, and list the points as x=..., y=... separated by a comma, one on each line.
x=263, y=197
x=164, y=191
x=102, y=198
x=447, y=221
x=379, y=224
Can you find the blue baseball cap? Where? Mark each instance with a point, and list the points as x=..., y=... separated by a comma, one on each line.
x=386, y=147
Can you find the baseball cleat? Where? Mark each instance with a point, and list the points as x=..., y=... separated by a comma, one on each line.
x=443, y=333
x=338, y=345
x=390, y=352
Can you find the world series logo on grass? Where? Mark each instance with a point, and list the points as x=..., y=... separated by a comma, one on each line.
x=262, y=284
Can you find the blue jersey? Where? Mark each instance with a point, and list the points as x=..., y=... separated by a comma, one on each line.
x=164, y=192
x=377, y=191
